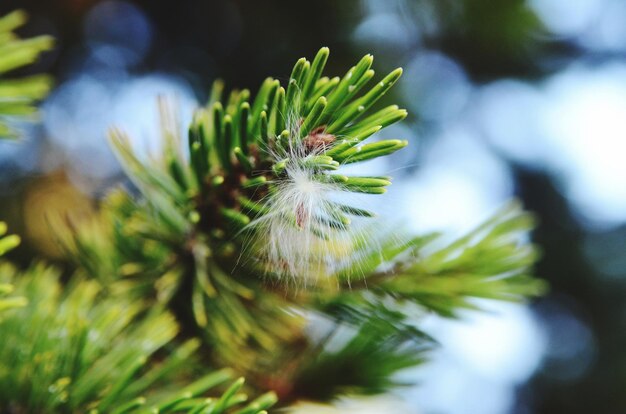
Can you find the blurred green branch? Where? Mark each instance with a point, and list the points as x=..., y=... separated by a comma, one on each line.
x=75, y=349
x=18, y=96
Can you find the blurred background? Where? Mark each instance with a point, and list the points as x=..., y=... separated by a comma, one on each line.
x=507, y=98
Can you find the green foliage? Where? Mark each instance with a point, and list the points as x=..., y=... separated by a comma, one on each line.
x=196, y=208
x=7, y=243
x=77, y=350
x=493, y=261
x=185, y=255
x=366, y=363
x=237, y=317
x=186, y=242
x=18, y=96
x=233, y=146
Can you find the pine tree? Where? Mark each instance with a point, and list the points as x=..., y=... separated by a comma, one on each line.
x=230, y=247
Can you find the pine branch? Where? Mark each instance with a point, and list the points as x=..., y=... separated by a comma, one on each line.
x=18, y=96
x=196, y=212
x=77, y=350
x=217, y=236
x=494, y=261
x=368, y=360
x=240, y=319
x=254, y=163
x=8, y=243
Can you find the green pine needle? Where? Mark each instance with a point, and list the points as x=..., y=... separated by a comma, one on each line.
x=79, y=350
x=18, y=96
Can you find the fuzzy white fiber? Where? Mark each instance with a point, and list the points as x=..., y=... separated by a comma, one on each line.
x=294, y=237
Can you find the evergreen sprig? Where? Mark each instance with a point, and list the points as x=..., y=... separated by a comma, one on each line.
x=368, y=360
x=18, y=96
x=8, y=243
x=76, y=350
x=198, y=206
x=239, y=319
x=189, y=240
x=493, y=261
x=233, y=147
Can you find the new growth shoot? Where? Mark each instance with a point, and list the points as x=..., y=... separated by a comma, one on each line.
x=269, y=168
x=303, y=232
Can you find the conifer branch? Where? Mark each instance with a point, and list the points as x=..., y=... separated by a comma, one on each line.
x=77, y=350
x=8, y=243
x=18, y=96
x=494, y=261
x=209, y=236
